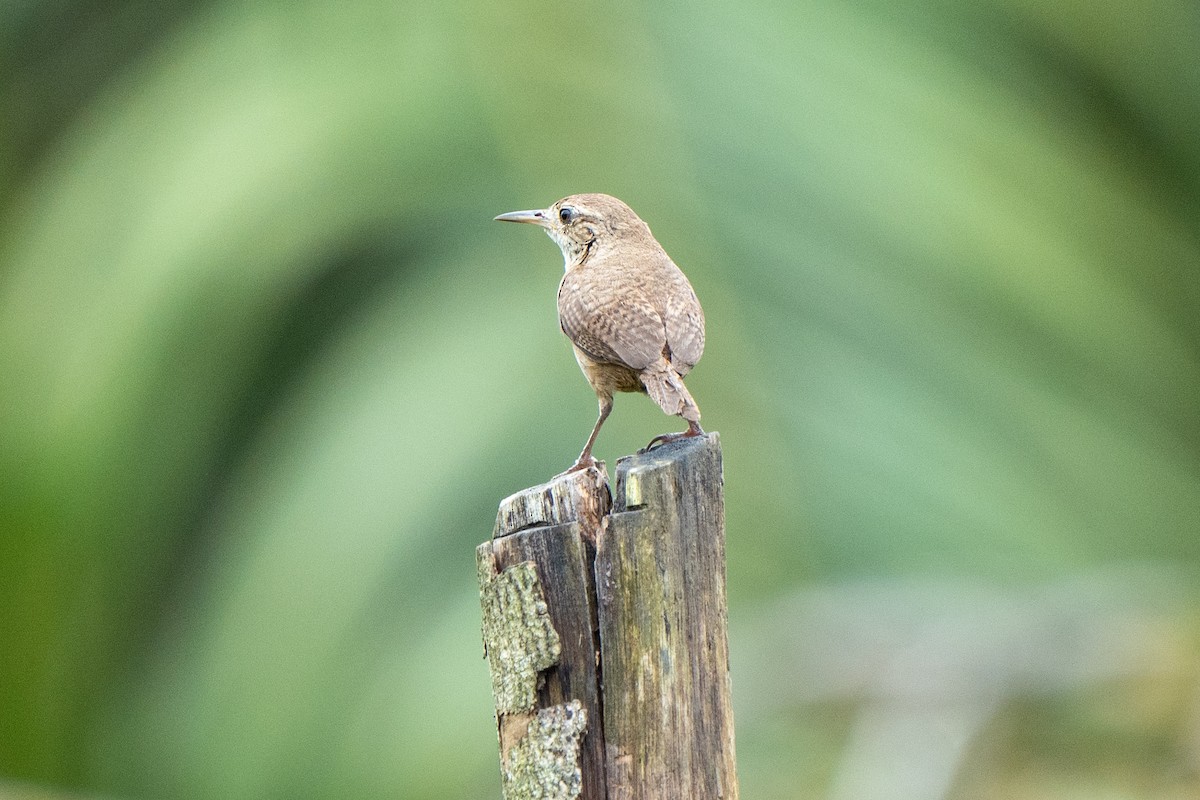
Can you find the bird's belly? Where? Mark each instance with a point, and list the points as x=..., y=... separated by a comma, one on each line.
x=608, y=378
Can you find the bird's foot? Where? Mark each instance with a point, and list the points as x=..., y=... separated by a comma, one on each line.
x=694, y=429
x=581, y=463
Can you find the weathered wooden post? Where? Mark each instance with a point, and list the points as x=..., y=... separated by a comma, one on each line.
x=604, y=623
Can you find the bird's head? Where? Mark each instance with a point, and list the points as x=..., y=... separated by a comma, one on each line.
x=583, y=223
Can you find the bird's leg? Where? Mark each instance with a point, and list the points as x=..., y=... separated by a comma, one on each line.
x=694, y=429
x=586, y=459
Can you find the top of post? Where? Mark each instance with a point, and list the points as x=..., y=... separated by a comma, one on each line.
x=581, y=496
x=636, y=473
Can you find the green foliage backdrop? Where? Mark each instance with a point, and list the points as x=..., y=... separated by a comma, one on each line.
x=267, y=366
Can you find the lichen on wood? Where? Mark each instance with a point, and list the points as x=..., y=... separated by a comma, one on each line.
x=544, y=764
x=518, y=638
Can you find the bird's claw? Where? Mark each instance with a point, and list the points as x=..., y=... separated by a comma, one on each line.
x=667, y=438
x=580, y=465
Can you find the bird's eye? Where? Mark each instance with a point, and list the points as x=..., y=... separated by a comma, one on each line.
x=566, y=214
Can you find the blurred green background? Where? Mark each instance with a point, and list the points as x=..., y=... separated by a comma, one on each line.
x=267, y=366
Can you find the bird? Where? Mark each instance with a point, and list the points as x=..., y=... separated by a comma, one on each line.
x=633, y=319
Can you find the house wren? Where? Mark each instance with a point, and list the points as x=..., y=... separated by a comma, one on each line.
x=630, y=313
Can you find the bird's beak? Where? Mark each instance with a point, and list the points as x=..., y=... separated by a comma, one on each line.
x=537, y=217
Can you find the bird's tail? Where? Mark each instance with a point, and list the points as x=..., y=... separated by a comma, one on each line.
x=666, y=388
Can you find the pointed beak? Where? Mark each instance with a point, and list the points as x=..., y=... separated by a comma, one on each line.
x=537, y=217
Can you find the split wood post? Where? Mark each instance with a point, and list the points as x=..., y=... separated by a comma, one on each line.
x=604, y=623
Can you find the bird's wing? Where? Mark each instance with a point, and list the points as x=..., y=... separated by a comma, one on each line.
x=685, y=327
x=625, y=330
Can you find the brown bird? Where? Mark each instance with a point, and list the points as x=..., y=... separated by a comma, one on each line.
x=630, y=313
